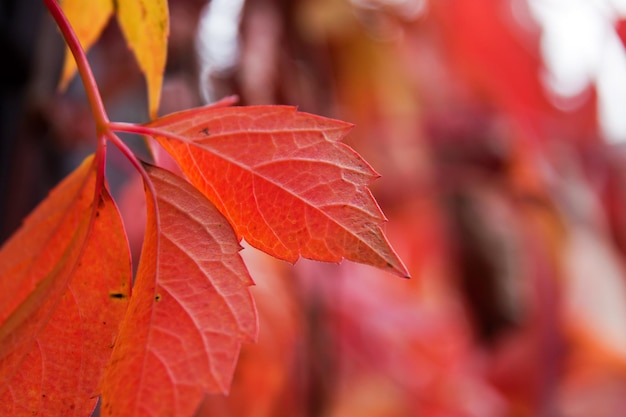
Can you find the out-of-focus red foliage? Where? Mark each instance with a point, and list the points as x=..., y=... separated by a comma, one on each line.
x=620, y=28
x=507, y=209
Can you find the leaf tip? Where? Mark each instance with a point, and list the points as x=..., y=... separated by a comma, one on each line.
x=396, y=266
x=399, y=270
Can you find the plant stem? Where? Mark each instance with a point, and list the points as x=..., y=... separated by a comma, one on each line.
x=86, y=75
x=145, y=130
x=132, y=158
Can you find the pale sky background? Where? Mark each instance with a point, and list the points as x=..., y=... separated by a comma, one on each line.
x=580, y=45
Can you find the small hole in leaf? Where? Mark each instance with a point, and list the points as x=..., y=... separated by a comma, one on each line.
x=157, y=298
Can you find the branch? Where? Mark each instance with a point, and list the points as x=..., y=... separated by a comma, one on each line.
x=86, y=75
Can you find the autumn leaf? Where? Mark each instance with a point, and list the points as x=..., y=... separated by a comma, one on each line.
x=283, y=181
x=145, y=24
x=88, y=19
x=65, y=281
x=190, y=310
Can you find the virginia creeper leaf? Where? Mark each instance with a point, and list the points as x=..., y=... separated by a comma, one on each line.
x=88, y=19
x=283, y=181
x=190, y=309
x=58, y=316
x=145, y=24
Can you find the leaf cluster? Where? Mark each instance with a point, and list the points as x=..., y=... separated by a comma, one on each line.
x=76, y=324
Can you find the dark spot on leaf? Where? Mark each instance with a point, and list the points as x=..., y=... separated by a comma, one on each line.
x=43, y=395
x=205, y=131
x=157, y=298
x=389, y=265
x=104, y=323
x=117, y=295
x=100, y=201
x=98, y=213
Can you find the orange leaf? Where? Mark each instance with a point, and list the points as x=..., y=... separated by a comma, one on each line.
x=88, y=19
x=59, y=318
x=283, y=181
x=190, y=309
x=145, y=24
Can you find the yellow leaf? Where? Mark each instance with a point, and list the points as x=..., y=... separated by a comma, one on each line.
x=145, y=24
x=88, y=19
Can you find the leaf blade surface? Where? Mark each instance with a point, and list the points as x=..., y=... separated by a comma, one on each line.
x=283, y=180
x=56, y=337
x=145, y=24
x=190, y=310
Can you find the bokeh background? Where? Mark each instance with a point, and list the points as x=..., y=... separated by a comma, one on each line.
x=497, y=128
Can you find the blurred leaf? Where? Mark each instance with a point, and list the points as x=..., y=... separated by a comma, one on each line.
x=88, y=19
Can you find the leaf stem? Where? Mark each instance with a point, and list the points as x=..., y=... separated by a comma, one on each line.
x=145, y=130
x=86, y=75
x=134, y=128
x=132, y=158
x=100, y=160
x=126, y=151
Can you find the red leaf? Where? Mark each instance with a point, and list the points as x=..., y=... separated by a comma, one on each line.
x=283, y=181
x=620, y=29
x=190, y=309
x=58, y=317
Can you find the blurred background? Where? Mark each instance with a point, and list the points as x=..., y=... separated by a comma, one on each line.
x=498, y=129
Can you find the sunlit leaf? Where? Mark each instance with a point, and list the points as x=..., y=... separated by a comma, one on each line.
x=283, y=180
x=190, y=310
x=145, y=24
x=65, y=284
